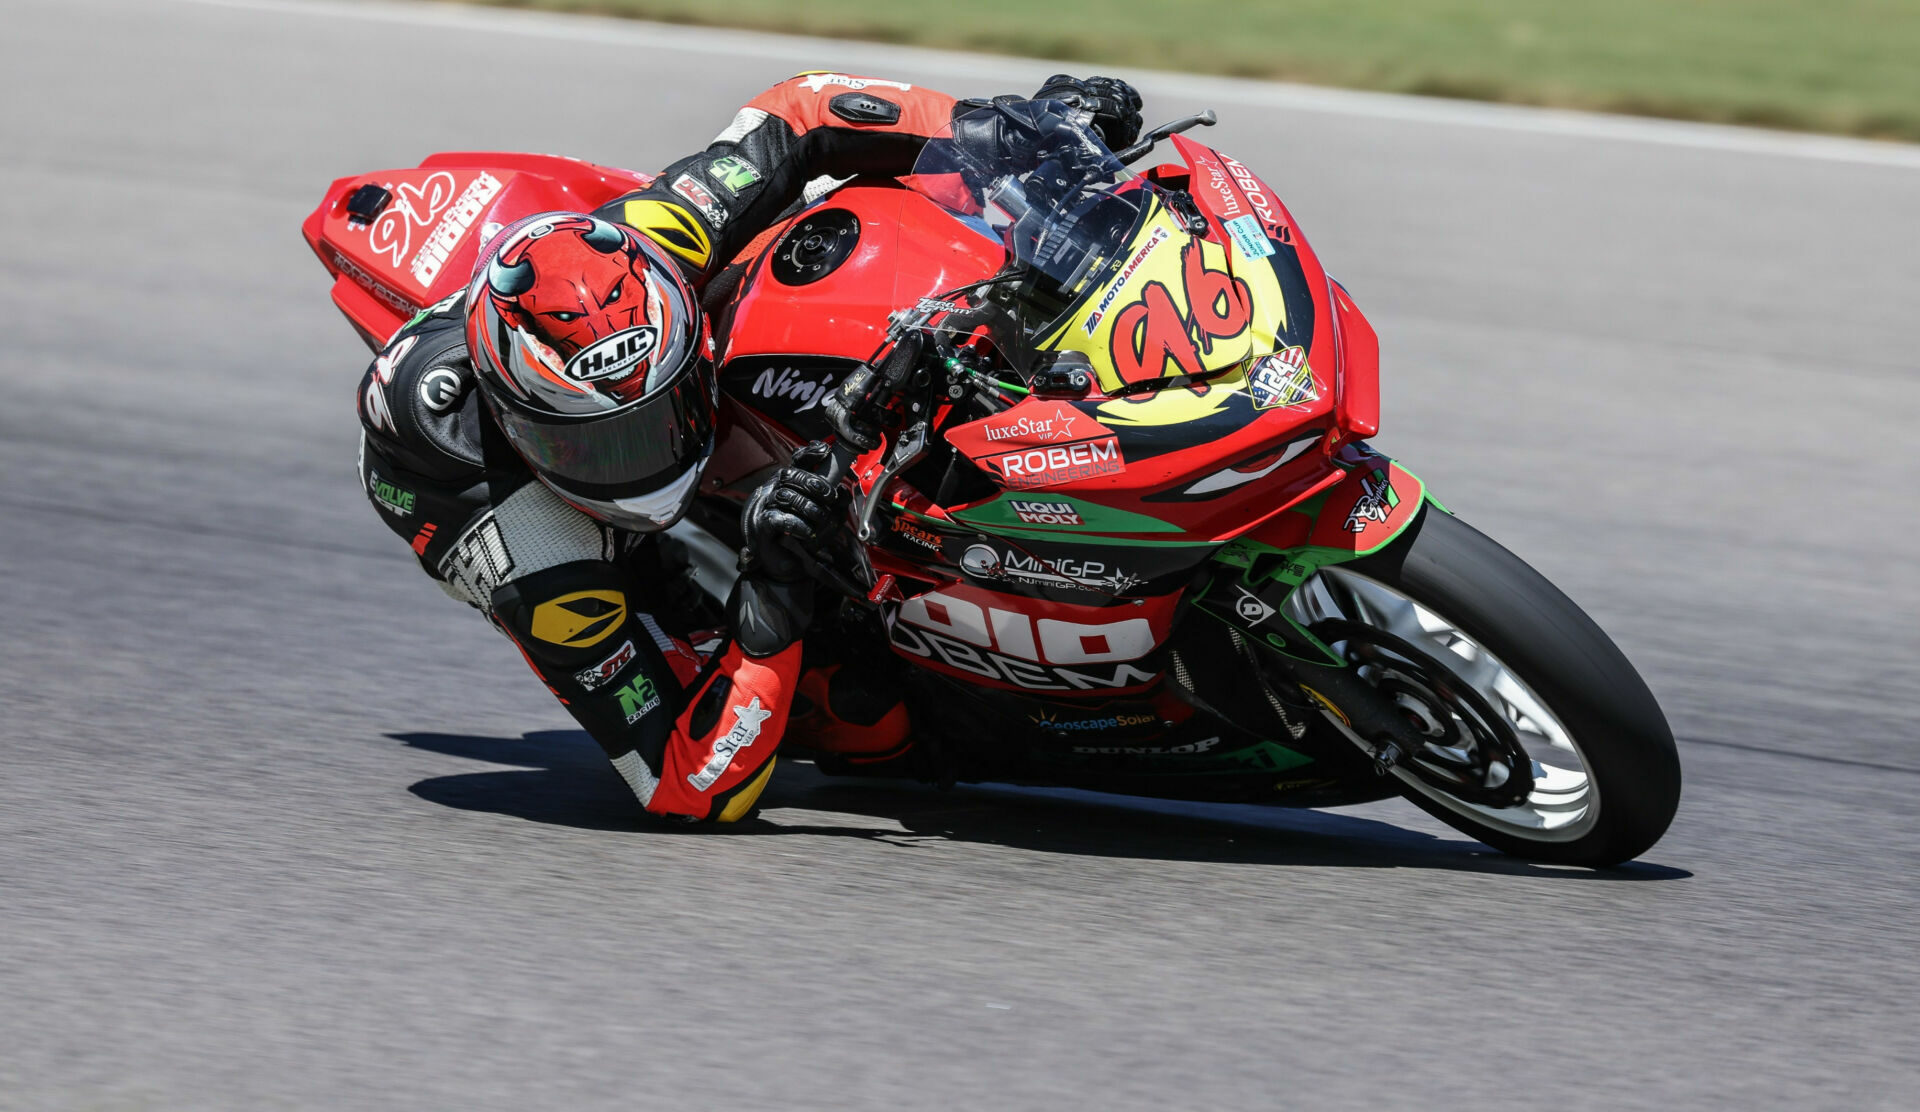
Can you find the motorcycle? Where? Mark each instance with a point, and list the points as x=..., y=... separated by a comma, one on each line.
x=1123, y=528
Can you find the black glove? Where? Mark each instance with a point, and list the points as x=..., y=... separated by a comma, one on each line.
x=1114, y=104
x=796, y=505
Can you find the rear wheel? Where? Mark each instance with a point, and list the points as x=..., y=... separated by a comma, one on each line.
x=1535, y=734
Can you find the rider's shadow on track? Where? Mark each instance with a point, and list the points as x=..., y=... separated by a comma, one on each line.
x=561, y=777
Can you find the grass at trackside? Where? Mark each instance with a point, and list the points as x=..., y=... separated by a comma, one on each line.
x=1849, y=66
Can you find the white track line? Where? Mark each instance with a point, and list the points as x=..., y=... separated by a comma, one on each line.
x=802, y=51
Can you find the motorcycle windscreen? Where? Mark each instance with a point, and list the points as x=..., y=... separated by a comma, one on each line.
x=1035, y=181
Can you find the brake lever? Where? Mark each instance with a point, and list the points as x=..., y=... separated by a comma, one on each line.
x=1152, y=138
x=908, y=447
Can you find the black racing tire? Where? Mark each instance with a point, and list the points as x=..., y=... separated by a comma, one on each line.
x=1567, y=661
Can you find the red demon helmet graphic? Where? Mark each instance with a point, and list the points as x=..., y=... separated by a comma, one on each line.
x=591, y=351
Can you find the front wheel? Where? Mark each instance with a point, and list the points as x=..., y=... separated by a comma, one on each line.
x=1536, y=736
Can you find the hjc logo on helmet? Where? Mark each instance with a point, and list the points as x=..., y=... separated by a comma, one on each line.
x=614, y=357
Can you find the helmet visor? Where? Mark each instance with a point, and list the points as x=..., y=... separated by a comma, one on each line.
x=634, y=451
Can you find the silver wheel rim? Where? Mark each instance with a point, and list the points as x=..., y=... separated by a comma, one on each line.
x=1564, y=804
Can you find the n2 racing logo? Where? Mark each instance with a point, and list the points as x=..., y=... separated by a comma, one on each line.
x=615, y=356
x=1006, y=645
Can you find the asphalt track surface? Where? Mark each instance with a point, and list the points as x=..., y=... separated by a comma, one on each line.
x=281, y=826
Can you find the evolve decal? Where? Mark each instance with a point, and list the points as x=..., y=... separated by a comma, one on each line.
x=391, y=498
x=1283, y=379
x=1046, y=654
x=591, y=678
x=744, y=732
x=1013, y=566
x=1377, y=499
x=1153, y=339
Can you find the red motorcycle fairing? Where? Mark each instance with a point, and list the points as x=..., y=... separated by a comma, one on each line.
x=1024, y=644
x=810, y=308
x=420, y=244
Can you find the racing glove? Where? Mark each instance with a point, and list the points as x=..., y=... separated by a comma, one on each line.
x=1113, y=104
x=798, y=508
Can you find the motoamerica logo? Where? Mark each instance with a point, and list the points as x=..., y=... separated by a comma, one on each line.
x=615, y=356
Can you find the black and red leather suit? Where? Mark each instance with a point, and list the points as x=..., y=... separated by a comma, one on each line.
x=606, y=617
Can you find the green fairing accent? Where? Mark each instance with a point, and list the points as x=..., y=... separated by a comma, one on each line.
x=1293, y=566
x=998, y=517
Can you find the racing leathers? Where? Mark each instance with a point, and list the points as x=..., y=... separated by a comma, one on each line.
x=602, y=615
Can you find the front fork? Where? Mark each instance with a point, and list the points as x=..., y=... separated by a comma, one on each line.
x=1258, y=573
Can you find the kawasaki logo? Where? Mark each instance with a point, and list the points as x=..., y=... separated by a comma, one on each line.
x=615, y=356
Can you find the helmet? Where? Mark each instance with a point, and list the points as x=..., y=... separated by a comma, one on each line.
x=591, y=350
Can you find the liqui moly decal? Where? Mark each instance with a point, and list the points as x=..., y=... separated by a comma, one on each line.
x=1045, y=513
x=447, y=234
x=615, y=357
x=1160, y=235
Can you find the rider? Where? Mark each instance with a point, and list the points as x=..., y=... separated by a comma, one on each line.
x=531, y=436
